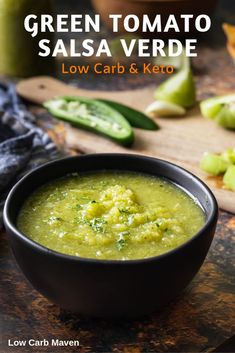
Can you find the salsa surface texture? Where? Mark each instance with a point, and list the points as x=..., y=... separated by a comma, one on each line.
x=110, y=215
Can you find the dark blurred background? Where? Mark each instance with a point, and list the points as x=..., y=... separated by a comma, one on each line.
x=225, y=12
x=229, y=4
x=75, y=4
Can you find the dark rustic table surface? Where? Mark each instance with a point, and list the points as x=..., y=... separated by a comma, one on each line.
x=202, y=319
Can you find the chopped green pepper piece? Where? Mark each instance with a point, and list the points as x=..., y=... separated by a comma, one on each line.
x=92, y=115
x=226, y=117
x=213, y=164
x=135, y=117
x=229, y=178
x=229, y=155
x=221, y=109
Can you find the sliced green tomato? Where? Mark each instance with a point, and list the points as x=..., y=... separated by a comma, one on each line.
x=135, y=117
x=213, y=164
x=221, y=109
x=210, y=107
x=160, y=108
x=226, y=116
x=178, y=89
x=92, y=115
x=229, y=178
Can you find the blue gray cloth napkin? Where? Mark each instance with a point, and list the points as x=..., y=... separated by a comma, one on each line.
x=23, y=145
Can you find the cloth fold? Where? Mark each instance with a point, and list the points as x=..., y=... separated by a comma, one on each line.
x=23, y=145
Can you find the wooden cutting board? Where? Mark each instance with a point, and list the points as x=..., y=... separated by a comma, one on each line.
x=180, y=140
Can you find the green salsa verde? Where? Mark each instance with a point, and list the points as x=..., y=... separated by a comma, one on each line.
x=110, y=215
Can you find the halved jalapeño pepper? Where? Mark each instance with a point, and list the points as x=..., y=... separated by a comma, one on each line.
x=92, y=115
x=135, y=117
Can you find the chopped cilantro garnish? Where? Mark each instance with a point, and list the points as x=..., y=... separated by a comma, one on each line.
x=122, y=241
x=124, y=210
x=97, y=224
x=121, y=244
x=82, y=221
x=53, y=218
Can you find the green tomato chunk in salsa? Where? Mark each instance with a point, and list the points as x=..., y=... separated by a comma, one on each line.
x=110, y=215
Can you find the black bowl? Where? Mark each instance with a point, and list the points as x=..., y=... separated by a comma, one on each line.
x=110, y=288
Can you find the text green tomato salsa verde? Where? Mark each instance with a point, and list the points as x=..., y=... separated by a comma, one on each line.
x=110, y=215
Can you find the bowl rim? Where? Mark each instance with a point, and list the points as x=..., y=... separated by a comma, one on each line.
x=9, y=225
